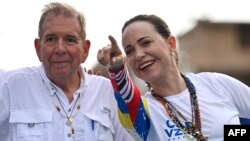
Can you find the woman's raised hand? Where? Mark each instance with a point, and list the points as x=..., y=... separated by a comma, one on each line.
x=111, y=55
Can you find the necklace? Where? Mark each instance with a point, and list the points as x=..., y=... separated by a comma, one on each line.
x=193, y=129
x=70, y=117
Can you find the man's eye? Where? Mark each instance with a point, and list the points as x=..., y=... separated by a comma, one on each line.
x=71, y=40
x=50, y=39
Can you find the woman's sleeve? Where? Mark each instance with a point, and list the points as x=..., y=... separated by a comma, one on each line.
x=133, y=112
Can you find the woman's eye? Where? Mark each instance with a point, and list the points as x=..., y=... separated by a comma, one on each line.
x=128, y=51
x=145, y=43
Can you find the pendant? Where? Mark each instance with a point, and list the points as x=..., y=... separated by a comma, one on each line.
x=198, y=134
x=69, y=121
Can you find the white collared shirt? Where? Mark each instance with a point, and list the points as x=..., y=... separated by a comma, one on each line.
x=1, y=75
x=28, y=109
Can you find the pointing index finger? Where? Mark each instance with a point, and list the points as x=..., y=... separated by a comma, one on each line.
x=114, y=45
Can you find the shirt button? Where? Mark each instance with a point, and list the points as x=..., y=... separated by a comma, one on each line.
x=30, y=125
x=69, y=135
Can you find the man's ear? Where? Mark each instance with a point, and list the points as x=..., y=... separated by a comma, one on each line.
x=86, y=48
x=38, y=47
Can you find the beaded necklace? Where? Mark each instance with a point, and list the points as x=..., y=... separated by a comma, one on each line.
x=193, y=129
x=70, y=117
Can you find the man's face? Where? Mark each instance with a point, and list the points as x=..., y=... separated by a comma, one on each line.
x=61, y=49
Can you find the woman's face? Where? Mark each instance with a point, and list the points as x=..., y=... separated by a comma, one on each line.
x=148, y=53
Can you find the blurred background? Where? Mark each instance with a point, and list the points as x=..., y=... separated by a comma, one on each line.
x=212, y=35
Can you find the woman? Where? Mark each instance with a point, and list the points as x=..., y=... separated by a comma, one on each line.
x=178, y=106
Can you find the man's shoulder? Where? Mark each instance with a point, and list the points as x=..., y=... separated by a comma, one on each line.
x=21, y=72
x=95, y=82
x=97, y=78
